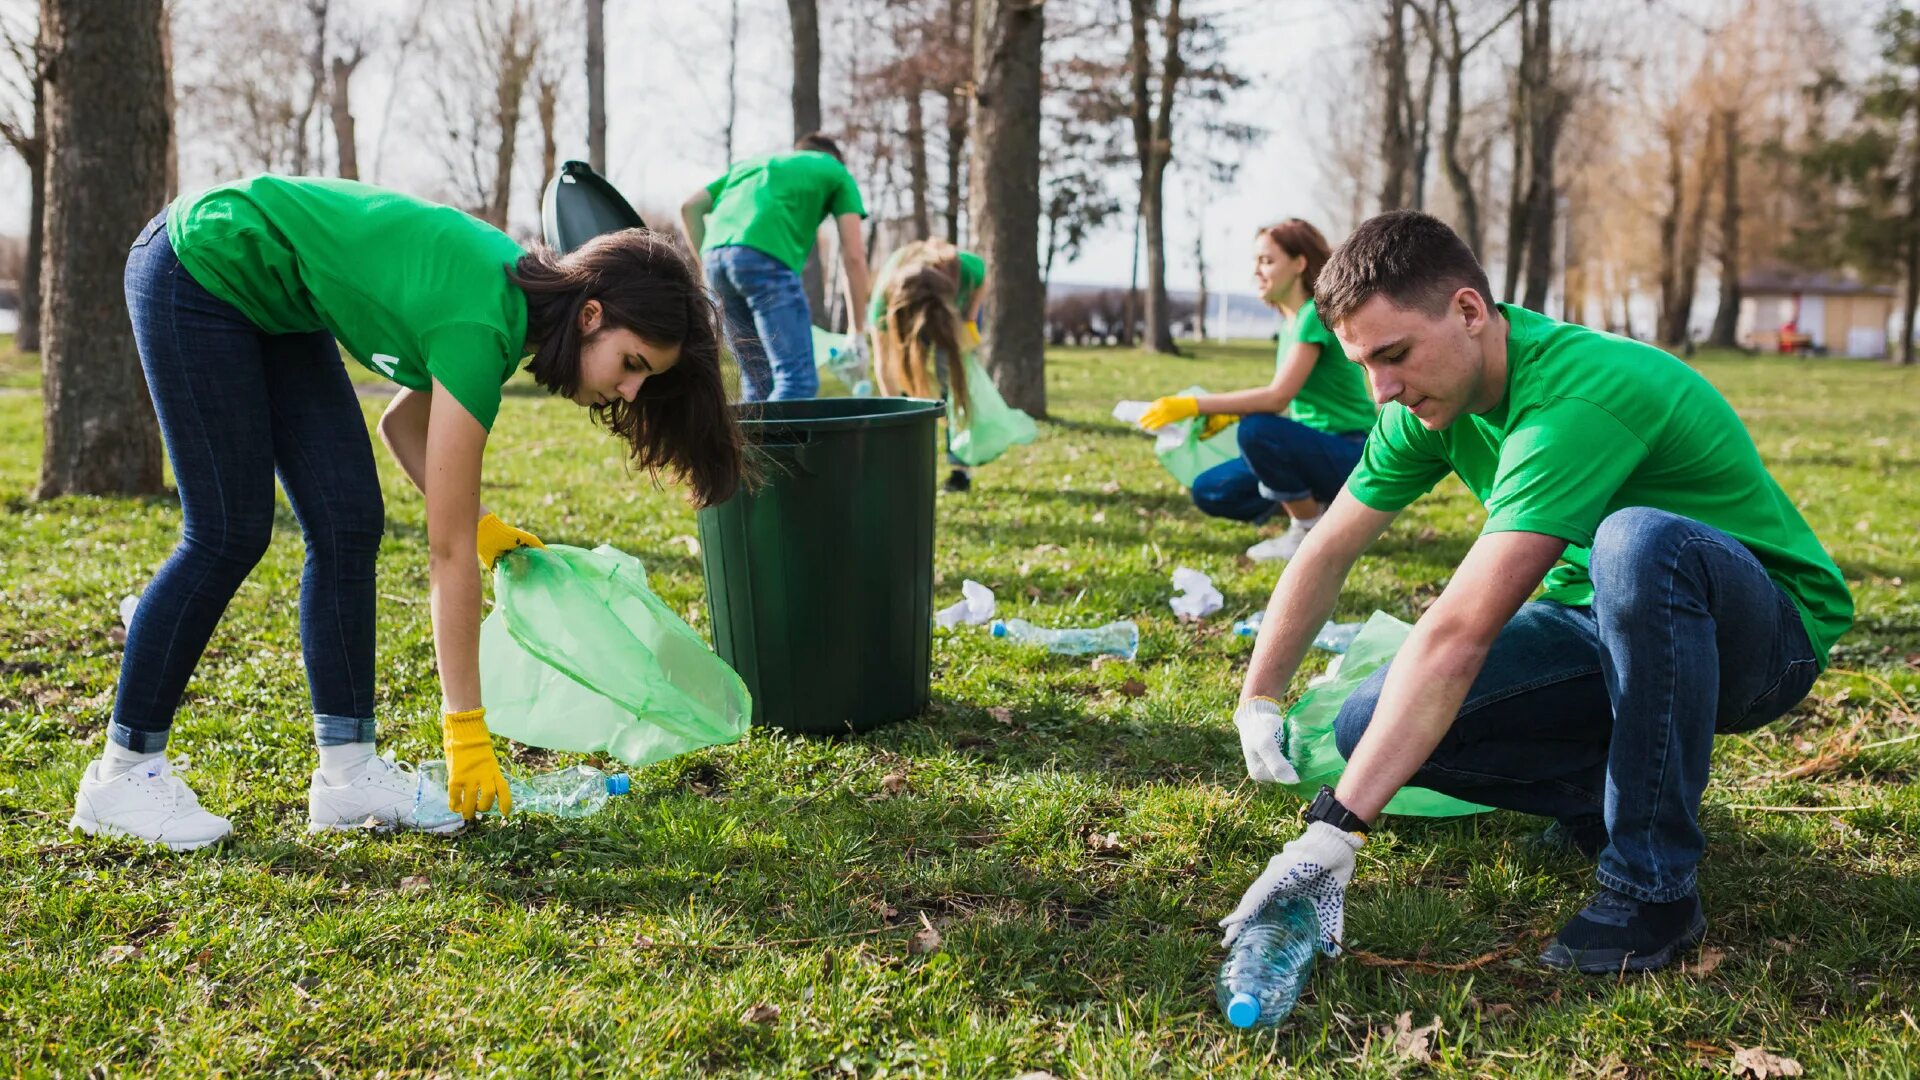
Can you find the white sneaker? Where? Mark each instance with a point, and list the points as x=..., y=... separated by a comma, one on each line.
x=386, y=795
x=147, y=802
x=1284, y=546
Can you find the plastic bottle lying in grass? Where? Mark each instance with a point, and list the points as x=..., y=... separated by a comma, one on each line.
x=575, y=792
x=1271, y=961
x=1333, y=637
x=1120, y=639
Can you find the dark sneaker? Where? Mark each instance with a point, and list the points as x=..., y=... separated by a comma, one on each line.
x=1585, y=837
x=1616, y=933
x=957, y=481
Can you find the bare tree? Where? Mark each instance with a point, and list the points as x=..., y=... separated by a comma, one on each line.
x=1152, y=117
x=733, y=78
x=1005, y=215
x=106, y=130
x=597, y=85
x=957, y=87
x=340, y=104
x=489, y=50
x=316, y=82
x=27, y=136
x=805, y=17
x=1442, y=27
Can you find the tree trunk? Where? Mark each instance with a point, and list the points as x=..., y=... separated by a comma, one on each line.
x=1692, y=240
x=546, y=106
x=1200, y=268
x=106, y=175
x=960, y=36
x=597, y=85
x=1519, y=116
x=917, y=164
x=1395, y=139
x=1726, y=319
x=1543, y=202
x=1670, y=232
x=733, y=77
x=1006, y=194
x=1422, y=129
x=342, y=105
x=26, y=337
x=805, y=15
x=316, y=85
x=518, y=49
x=172, y=105
x=1153, y=142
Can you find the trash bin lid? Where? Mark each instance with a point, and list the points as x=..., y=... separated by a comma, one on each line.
x=579, y=204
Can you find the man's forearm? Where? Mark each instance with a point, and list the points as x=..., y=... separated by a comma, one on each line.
x=1425, y=686
x=1301, y=602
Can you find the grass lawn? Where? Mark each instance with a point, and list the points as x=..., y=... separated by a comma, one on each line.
x=1072, y=831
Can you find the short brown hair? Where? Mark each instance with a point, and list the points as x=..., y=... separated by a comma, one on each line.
x=820, y=141
x=1412, y=259
x=1301, y=240
x=680, y=421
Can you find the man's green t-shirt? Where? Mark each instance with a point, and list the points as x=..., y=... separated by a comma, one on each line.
x=1593, y=423
x=775, y=204
x=413, y=290
x=973, y=271
x=1335, y=397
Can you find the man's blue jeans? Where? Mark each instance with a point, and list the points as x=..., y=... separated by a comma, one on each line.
x=1608, y=713
x=1280, y=460
x=768, y=323
x=235, y=405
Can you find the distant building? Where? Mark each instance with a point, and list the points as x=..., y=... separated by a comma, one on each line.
x=1785, y=310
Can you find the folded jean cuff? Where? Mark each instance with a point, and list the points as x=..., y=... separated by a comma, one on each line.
x=140, y=742
x=1664, y=894
x=329, y=730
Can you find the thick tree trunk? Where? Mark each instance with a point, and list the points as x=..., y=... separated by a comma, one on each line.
x=1543, y=206
x=805, y=15
x=1693, y=238
x=316, y=85
x=597, y=85
x=1395, y=139
x=172, y=106
x=1670, y=233
x=1519, y=116
x=917, y=164
x=959, y=37
x=1152, y=118
x=1006, y=194
x=106, y=128
x=1726, y=319
x=342, y=106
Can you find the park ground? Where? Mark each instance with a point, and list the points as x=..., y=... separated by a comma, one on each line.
x=1068, y=831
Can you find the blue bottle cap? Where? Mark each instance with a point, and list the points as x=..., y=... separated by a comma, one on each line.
x=999, y=628
x=1243, y=1011
x=618, y=784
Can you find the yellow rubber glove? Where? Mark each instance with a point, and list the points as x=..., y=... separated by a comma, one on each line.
x=1169, y=410
x=496, y=538
x=1218, y=423
x=969, y=335
x=474, y=780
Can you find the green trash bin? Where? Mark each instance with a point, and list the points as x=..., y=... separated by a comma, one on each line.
x=820, y=582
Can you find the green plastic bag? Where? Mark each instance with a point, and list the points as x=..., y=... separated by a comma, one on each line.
x=834, y=353
x=1195, y=455
x=991, y=425
x=579, y=654
x=1309, y=732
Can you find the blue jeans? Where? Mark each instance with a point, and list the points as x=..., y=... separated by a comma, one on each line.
x=1607, y=714
x=235, y=405
x=1280, y=460
x=768, y=323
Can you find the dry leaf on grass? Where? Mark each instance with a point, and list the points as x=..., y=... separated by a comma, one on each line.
x=1100, y=841
x=1133, y=688
x=893, y=783
x=414, y=883
x=1001, y=713
x=113, y=954
x=925, y=941
x=760, y=1014
x=1413, y=1043
x=1754, y=1063
x=1704, y=964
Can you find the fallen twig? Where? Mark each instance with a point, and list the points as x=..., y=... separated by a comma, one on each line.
x=1799, y=809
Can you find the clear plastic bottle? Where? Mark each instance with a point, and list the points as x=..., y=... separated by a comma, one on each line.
x=575, y=792
x=1120, y=639
x=1333, y=637
x=1271, y=961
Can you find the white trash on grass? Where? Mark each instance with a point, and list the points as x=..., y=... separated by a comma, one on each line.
x=974, y=608
x=1197, y=598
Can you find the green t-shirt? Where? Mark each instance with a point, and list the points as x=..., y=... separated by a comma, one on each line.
x=973, y=271
x=1592, y=423
x=1335, y=397
x=775, y=204
x=412, y=290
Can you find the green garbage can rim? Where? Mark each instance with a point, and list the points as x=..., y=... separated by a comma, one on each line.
x=831, y=414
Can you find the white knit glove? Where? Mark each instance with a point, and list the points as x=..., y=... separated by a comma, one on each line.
x=1263, y=741
x=1317, y=865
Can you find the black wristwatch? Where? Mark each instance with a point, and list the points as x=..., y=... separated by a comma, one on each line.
x=1325, y=807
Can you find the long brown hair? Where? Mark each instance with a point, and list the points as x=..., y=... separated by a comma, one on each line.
x=921, y=297
x=1298, y=238
x=680, y=420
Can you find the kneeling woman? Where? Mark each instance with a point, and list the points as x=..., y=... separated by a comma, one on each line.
x=1297, y=461
x=924, y=318
x=238, y=297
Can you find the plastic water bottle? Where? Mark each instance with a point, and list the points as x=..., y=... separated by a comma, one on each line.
x=1120, y=639
x=1270, y=964
x=1333, y=637
x=575, y=792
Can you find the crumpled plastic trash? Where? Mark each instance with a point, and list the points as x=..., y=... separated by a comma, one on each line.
x=974, y=607
x=1197, y=597
x=1166, y=438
